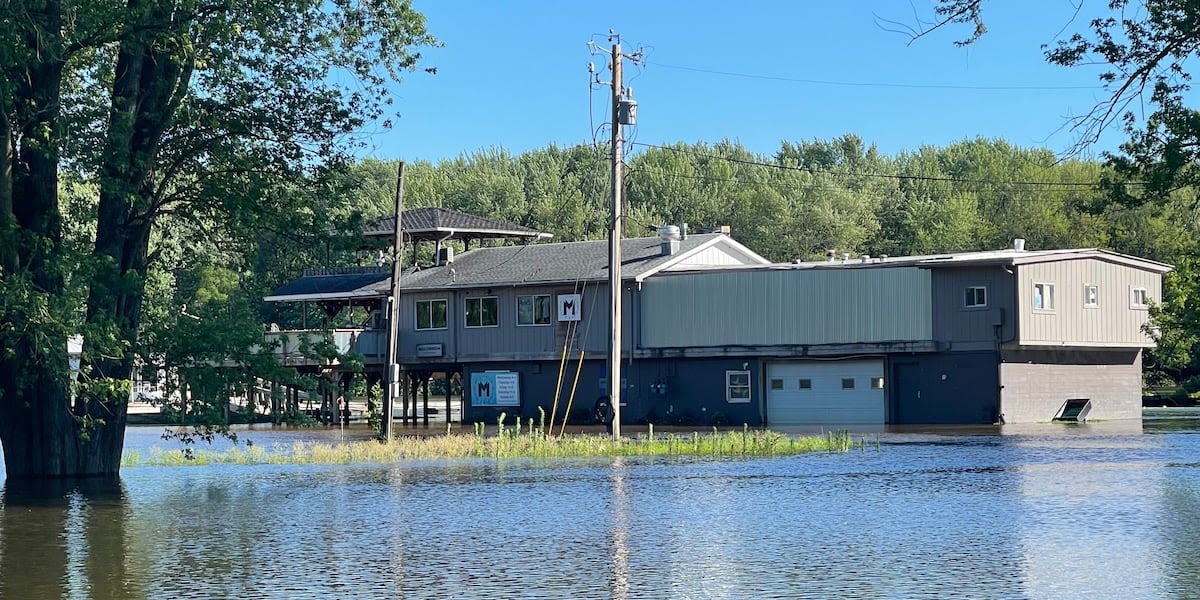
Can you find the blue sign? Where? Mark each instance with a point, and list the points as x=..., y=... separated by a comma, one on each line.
x=495, y=388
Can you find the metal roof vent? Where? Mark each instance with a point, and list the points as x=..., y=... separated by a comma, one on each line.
x=669, y=237
x=831, y=255
x=866, y=258
x=1019, y=244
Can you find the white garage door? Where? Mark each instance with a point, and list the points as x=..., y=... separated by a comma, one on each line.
x=832, y=392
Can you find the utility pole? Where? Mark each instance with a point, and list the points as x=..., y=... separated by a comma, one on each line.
x=624, y=111
x=393, y=346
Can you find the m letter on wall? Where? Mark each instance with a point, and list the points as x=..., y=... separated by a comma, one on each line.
x=569, y=307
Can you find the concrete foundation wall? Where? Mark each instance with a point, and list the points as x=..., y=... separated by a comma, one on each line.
x=1036, y=383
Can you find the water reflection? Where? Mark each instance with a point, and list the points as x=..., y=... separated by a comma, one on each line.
x=1045, y=512
x=66, y=539
x=619, y=531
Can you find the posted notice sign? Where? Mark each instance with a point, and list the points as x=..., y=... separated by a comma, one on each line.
x=495, y=388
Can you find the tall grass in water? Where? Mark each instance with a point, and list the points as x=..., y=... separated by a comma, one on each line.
x=511, y=442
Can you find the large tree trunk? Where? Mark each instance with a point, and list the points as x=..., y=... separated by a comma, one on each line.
x=40, y=435
x=150, y=77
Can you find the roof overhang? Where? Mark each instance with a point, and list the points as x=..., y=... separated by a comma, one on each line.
x=354, y=295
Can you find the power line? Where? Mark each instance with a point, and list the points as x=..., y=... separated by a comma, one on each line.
x=919, y=86
x=797, y=186
x=1062, y=184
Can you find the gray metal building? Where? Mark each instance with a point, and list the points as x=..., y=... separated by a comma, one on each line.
x=715, y=334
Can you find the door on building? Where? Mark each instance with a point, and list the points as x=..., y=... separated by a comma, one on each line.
x=905, y=393
x=828, y=392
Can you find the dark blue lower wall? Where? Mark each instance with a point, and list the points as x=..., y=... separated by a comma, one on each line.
x=658, y=391
x=944, y=388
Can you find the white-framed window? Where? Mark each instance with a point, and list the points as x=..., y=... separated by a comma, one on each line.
x=975, y=297
x=482, y=312
x=737, y=386
x=533, y=310
x=431, y=314
x=1091, y=296
x=1138, y=298
x=1043, y=296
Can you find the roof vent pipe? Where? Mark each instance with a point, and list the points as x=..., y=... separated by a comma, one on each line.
x=1019, y=244
x=668, y=236
x=865, y=258
x=683, y=231
x=831, y=255
x=845, y=256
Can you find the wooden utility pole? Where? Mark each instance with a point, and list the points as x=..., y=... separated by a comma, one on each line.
x=614, y=248
x=393, y=347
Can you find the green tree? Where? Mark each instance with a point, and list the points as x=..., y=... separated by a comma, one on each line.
x=199, y=109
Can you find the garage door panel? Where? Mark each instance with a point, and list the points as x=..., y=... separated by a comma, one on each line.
x=826, y=400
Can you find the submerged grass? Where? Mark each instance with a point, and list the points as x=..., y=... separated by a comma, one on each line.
x=509, y=443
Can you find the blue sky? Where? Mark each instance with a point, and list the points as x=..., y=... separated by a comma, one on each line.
x=513, y=74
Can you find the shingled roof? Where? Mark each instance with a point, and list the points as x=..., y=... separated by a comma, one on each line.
x=433, y=223
x=334, y=283
x=568, y=261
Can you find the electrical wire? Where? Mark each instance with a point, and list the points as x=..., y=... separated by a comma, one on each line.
x=898, y=177
x=920, y=86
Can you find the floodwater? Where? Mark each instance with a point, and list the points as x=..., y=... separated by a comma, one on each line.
x=1106, y=510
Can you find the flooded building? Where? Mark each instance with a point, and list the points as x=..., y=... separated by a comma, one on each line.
x=715, y=334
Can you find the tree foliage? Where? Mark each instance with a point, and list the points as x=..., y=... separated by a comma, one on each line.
x=188, y=120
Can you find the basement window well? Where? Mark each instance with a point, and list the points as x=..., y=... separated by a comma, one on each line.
x=1074, y=410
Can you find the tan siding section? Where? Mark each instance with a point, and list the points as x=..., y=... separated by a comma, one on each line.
x=785, y=307
x=1112, y=323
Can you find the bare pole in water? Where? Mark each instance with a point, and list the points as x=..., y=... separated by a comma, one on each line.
x=614, y=250
x=624, y=112
x=393, y=349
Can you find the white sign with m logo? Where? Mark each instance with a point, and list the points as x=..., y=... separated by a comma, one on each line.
x=570, y=307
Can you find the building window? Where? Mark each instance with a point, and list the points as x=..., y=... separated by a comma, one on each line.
x=806, y=384
x=737, y=386
x=1043, y=296
x=482, y=312
x=1091, y=296
x=431, y=314
x=847, y=383
x=1138, y=298
x=877, y=383
x=533, y=310
x=976, y=297
x=777, y=384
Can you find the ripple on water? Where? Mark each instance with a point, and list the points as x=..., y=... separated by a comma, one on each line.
x=1086, y=515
